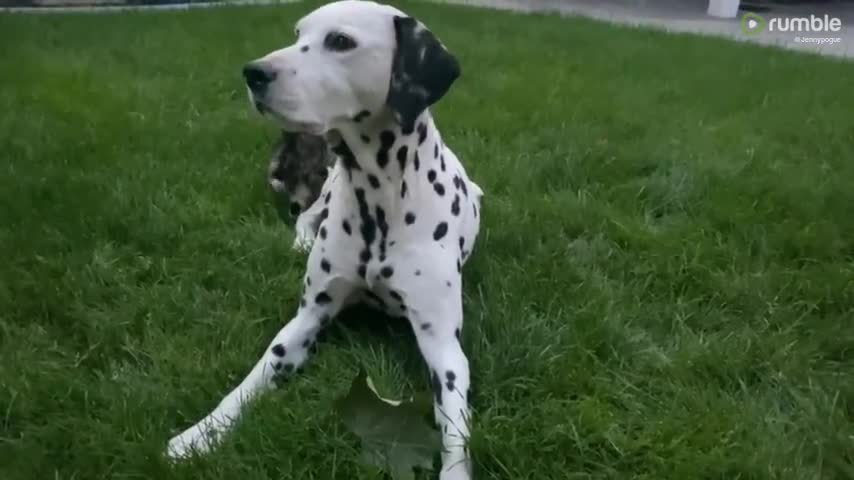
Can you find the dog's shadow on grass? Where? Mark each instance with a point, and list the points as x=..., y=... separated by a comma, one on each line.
x=362, y=320
x=378, y=342
x=364, y=317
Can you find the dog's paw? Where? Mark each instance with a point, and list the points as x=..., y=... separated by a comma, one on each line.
x=304, y=237
x=455, y=474
x=198, y=439
x=303, y=243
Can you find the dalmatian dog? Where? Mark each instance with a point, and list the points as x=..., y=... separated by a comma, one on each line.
x=398, y=214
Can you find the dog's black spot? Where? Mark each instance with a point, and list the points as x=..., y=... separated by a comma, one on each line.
x=393, y=294
x=348, y=160
x=306, y=343
x=387, y=271
x=437, y=387
x=431, y=175
x=304, y=48
x=278, y=350
x=422, y=133
x=383, y=226
x=369, y=226
x=417, y=161
x=462, y=242
x=327, y=198
x=455, y=206
x=324, y=213
x=457, y=333
x=361, y=116
x=409, y=218
x=295, y=209
x=365, y=138
x=322, y=232
x=457, y=181
x=277, y=366
x=442, y=162
x=448, y=283
x=302, y=302
x=425, y=326
x=289, y=367
x=346, y=226
x=463, y=186
x=474, y=208
x=436, y=150
x=440, y=189
x=451, y=377
x=386, y=141
x=440, y=231
x=373, y=296
x=402, y=153
x=322, y=298
x=325, y=265
x=418, y=273
x=459, y=266
x=374, y=181
x=307, y=281
x=362, y=270
x=365, y=255
x=403, y=189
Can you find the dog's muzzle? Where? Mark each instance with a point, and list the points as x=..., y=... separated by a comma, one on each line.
x=258, y=76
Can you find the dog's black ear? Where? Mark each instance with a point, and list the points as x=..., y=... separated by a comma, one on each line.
x=422, y=71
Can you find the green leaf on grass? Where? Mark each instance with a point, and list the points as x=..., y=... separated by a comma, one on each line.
x=395, y=435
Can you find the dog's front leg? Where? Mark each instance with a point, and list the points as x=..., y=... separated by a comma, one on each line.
x=285, y=354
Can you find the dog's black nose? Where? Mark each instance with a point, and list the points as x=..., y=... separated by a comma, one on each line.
x=258, y=75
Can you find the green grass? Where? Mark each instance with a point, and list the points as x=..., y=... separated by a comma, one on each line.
x=663, y=287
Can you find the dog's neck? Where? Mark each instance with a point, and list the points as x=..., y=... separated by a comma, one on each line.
x=373, y=145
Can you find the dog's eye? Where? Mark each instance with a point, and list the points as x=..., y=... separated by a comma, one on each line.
x=296, y=32
x=338, y=42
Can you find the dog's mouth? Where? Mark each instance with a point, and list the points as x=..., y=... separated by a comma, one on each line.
x=286, y=123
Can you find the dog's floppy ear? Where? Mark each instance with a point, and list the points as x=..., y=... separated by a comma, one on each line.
x=422, y=71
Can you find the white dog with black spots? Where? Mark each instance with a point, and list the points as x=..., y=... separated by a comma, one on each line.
x=397, y=216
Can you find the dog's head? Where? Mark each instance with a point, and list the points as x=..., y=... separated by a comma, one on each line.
x=298, y=168
x=351, y=60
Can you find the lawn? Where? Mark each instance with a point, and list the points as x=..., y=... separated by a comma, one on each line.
x=663, y=287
